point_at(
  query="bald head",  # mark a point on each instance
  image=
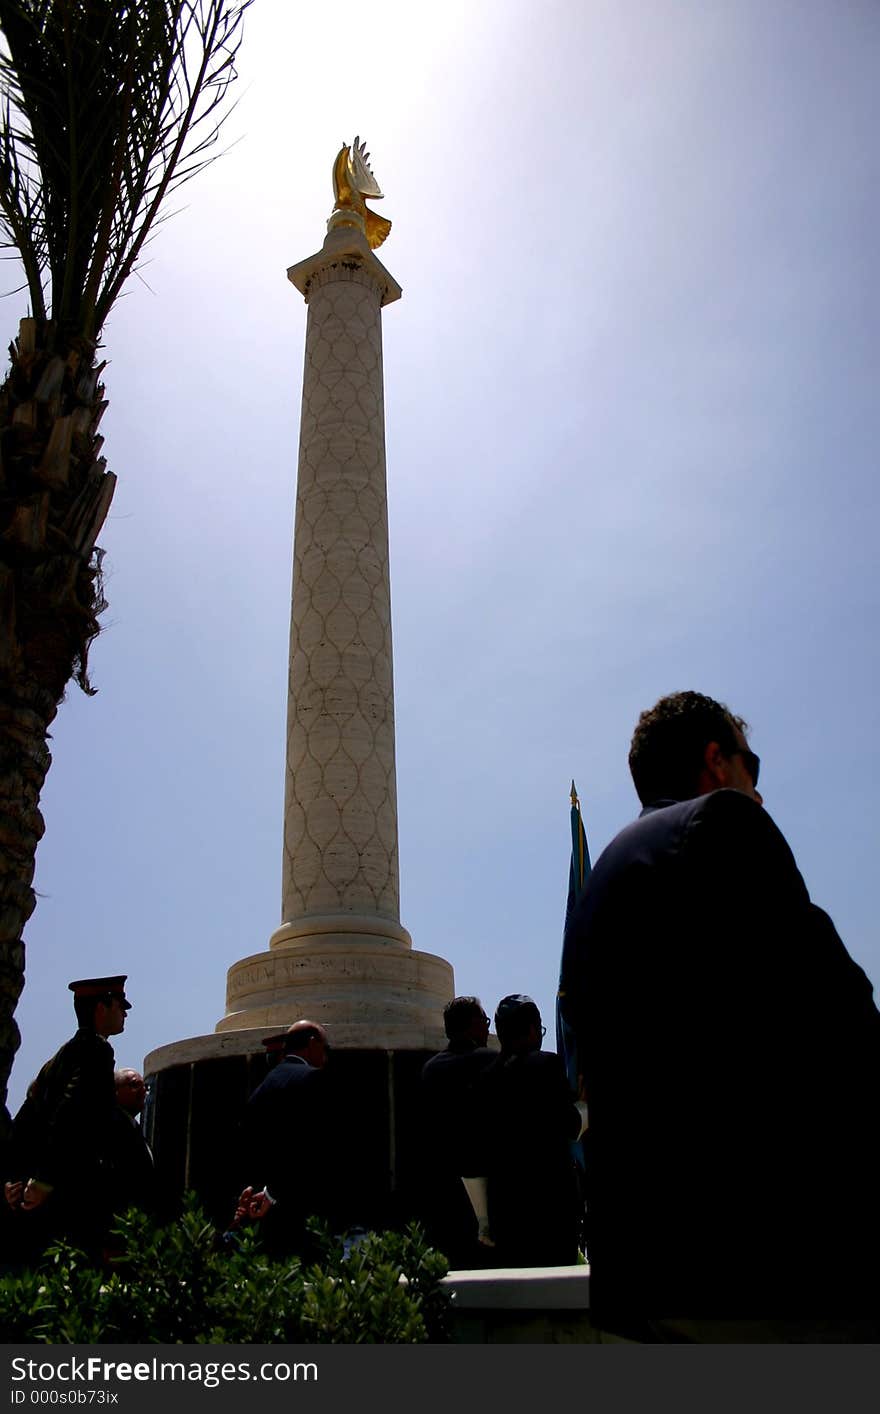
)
(309, 1040)
(131, 1092)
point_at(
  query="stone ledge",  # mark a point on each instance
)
(522, 1306)
(248, 1040)
(521, 1289)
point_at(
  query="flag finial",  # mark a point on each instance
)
(574, 795)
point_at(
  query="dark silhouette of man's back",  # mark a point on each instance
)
(291, 1141)
(731, 1055)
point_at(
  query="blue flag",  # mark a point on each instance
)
(578, 874)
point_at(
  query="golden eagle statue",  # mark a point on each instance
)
(352, 181)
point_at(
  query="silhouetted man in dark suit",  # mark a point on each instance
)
(291, 1138)
(133, 1169)
(527, 1122)
(731, 1059)
(446, 1095)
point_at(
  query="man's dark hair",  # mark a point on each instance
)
(513, 1017)
(458, 1015)
(669, 742)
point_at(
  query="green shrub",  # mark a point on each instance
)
(176, 1284)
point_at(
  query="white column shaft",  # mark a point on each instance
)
(340, 835)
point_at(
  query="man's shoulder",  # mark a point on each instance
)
(126, 1128)
(544, 1063)
(84, 1044)
(733, 822)
(672, 824)
(289, 1074)
(683, 852)
(435, 1067)
(89, 1053)
(728, 804)
(446, 1064)
(82, 1047)
(531, 1074)
(523, 1061)
(666, 814)
(69, 1049)
(659, 830)
(671, 839)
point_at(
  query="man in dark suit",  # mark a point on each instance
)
(446, 1095)
(133, 1168)
(527, 1122)
(731, 1059)
(291, 1142)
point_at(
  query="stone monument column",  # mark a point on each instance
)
(341, 955)
(340, 814)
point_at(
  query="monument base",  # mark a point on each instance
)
(358, 976)
(197, 1091)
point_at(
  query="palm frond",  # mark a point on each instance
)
(106, 107)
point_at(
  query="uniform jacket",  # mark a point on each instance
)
(62, 1133)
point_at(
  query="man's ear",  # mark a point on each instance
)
(713, 775)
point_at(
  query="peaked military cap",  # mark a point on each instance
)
(101, 987)
(274, 1043)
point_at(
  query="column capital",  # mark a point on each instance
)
(344, 250)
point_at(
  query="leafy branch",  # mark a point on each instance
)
(106, 107)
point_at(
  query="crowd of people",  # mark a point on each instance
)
(500, 1173)
(718, 1163)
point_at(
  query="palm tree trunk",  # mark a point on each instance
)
(24, 761)
(55, 492)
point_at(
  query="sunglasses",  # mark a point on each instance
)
(751, 762)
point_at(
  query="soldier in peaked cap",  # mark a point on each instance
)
(274, 1048)
(62, 1137)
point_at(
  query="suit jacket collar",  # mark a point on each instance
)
(656, 805)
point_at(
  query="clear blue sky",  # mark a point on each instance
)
(633, 430)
